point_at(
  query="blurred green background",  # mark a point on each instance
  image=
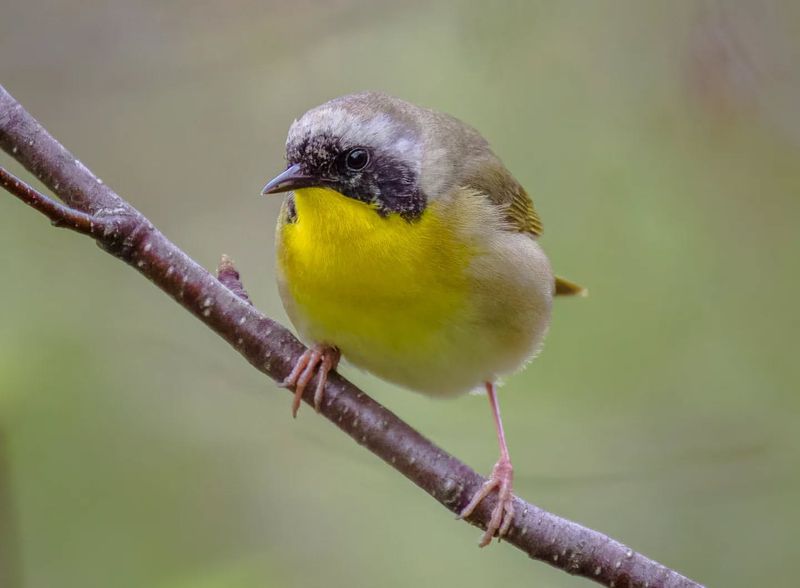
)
(661, 142)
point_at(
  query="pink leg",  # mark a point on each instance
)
(500, 480)
(319, 359)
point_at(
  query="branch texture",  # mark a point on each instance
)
(93, 209)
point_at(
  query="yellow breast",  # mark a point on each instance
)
(372, 285)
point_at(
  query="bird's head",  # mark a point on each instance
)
(377, 149)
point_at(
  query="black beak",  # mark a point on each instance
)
(291, 179)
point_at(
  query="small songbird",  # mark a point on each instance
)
(405, 245)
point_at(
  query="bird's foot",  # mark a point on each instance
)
(503, 513)
(320, 359)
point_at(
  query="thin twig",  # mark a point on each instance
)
(59, 215)
(273, 350)
(229, 276)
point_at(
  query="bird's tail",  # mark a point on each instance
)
(565, 287)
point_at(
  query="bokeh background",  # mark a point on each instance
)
(661, 142)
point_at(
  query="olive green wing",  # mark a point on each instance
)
(521, 213)
(494, 180)
(503, 190)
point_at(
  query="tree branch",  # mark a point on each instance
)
(93, 209)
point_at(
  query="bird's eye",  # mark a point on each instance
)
(356, 159)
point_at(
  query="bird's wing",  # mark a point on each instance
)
(521, 213)
(503, 190)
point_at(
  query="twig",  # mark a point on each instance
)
(59, 215)
(224, 307)
(229, 276)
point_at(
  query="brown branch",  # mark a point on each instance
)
(224, 307)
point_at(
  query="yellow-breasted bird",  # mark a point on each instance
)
(406, 245)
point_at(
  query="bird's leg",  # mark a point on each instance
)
(320, 359)
(500, 480)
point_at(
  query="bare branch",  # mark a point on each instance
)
(223, 306)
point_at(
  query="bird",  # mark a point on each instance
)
(405, 245)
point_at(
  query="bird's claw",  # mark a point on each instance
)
(503, 513)
(319, 359)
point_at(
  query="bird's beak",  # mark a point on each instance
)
(291, 179)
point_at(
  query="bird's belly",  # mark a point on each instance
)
(385, 333)
(410, 338)
(396, 298)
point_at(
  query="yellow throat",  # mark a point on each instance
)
(368, 283)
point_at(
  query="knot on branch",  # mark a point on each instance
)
(125, 235)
